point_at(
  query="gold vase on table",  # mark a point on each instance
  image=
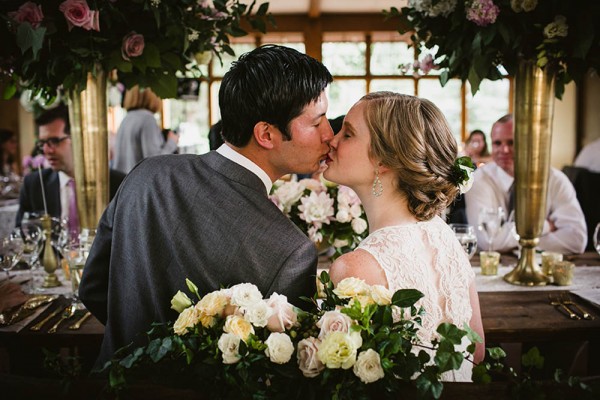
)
(89, 136)
(533, 110)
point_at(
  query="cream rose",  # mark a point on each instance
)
(245, 294)
(279, 348)
(308, 362)
(180, 301)
(381, 295)
(230, 348)
(187, 319)
(359, 225)
(238, 326)
(334, 321)
(284, 316)
(338, 349)
(368, 366)
(213, 303)
(351, 287)
(258, 314)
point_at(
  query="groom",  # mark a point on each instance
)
(208, 217)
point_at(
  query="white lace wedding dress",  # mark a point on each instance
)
(426, 256)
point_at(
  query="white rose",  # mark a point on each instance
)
(337, 243)
(258, 314)
(245, 294)
(187, 319)
(334, 321)
(284, 316)
(356, 210)
(279, 348)
(381, 295)
(238, 326)
(351, 287)
(558, 28)
(343, 215)
(180, 301)
(465, 186)
(230, 348)
(308, 362)
(368, 366)
(338, 349)
(359, 225)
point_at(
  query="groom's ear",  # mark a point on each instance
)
(264, 134)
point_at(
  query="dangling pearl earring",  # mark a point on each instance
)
(377, 188)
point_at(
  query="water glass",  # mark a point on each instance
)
(11, 250)
(466, 236)
(75, 258)
(490, 222)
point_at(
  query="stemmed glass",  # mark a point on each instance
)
(490, 222)
(466, 236)
(11, 249)
(597, 238)
(33, 238)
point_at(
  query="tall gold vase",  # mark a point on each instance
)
(89, 136)
(533, 110)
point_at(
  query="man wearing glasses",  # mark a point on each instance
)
(58, 181)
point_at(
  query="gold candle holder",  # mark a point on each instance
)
(548, 260)
(489, 261)
(562, 272)
(49, 260)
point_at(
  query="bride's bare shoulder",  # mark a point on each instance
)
(359, 264)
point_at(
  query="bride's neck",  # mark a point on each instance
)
(389, 209)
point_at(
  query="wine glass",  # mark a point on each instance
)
(597, 238)
(73, 253)
(466, 236)
(11, 249)
(490, 222)
(33, 238)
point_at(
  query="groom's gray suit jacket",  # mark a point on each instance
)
(186, 216)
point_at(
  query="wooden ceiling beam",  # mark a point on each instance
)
(335, 23)
(314, 9)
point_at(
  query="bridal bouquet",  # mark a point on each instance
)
(51, 43)
(326, 212)
(359, 342)
(473, 39)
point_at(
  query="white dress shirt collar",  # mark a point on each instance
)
(241, 160)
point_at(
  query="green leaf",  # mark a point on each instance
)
(152, 56)
(451, 332)
(10, 90)
(496, 353)
(29, 38)
(406, 297)
(533, 358)
(480, 374)
(474, 80)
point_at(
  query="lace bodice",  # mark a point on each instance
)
(426, 256)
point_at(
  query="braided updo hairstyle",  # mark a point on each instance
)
(411, 136)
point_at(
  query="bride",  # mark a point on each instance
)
(398, 154)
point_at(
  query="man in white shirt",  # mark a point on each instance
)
(589, 157)
(564, 228)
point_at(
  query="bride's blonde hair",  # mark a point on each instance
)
(411, 136)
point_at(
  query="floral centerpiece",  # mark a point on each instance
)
(326, 212)
(359, 342)
(55, 43)
(474, 38)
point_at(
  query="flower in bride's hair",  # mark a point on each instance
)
(245, 294)
(229, 345)
(279, 348)
(180, 301)
(308, 362)
(368, 366)
(187, 319)
(466, 184)
(238, 326)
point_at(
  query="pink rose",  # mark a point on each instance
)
(308, 362)
(133, 45)
(28, 12)
(78, 13)
(334, 321)
(284, 316)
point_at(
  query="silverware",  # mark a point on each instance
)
(558, 304)
(30, 305)
(39, 325)
(80, 321)
(566, 299)
(67, 313)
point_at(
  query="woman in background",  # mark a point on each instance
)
(139, 136)
(476, 148)
(398, 154)
(9, 153)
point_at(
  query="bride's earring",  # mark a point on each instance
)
(377, 188)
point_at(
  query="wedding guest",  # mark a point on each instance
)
(398, 154)
(9, 153)
(564, 228)
(476, 148)
(589, 157)
(208, 217)
(139, 136)
(59, 180)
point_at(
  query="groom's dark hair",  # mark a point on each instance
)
(271, 84)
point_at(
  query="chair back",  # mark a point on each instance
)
(586, 185)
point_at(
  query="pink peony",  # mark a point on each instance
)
(482, 12)
(133, 45)
(28, 12)
(78, 13)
